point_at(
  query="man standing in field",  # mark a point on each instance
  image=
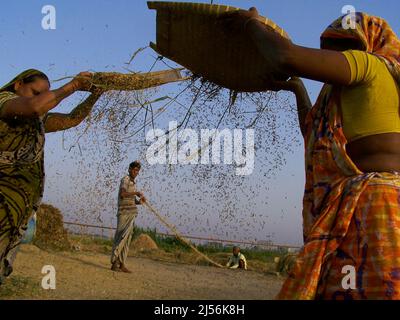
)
(237, 260)
(128, 199)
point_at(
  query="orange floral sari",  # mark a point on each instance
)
(351, 219)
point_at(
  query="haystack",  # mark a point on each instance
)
(50, 232)
(144, 243)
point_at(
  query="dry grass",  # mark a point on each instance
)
(16, 286)
(50, 232)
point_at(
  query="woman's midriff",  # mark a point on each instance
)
(376, 153)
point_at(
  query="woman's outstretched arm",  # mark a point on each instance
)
(303, 100)
(42, 103)
(60, 121)
(327, 66)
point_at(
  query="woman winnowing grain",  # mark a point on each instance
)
(351, 204)
(25, 103)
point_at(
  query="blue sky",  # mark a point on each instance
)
(101, 35)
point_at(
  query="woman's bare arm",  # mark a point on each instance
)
(39, 105)
(327, 66)
(303, 101)
(60, 121)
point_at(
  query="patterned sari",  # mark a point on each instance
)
(351, 219)
(21, 176)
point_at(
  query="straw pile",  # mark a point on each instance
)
(144, 243)
(188, 34)
(50, 232)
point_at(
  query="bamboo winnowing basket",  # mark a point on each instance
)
(188, 34)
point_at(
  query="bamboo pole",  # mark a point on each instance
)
(176, 232)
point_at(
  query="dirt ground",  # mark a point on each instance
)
(86, 275)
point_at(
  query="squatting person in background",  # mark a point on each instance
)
(25, 103)
(351, 204)
(237, 260)
(128, 198)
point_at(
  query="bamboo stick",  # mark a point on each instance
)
(176, 233)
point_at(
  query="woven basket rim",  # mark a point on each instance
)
(185, 6)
